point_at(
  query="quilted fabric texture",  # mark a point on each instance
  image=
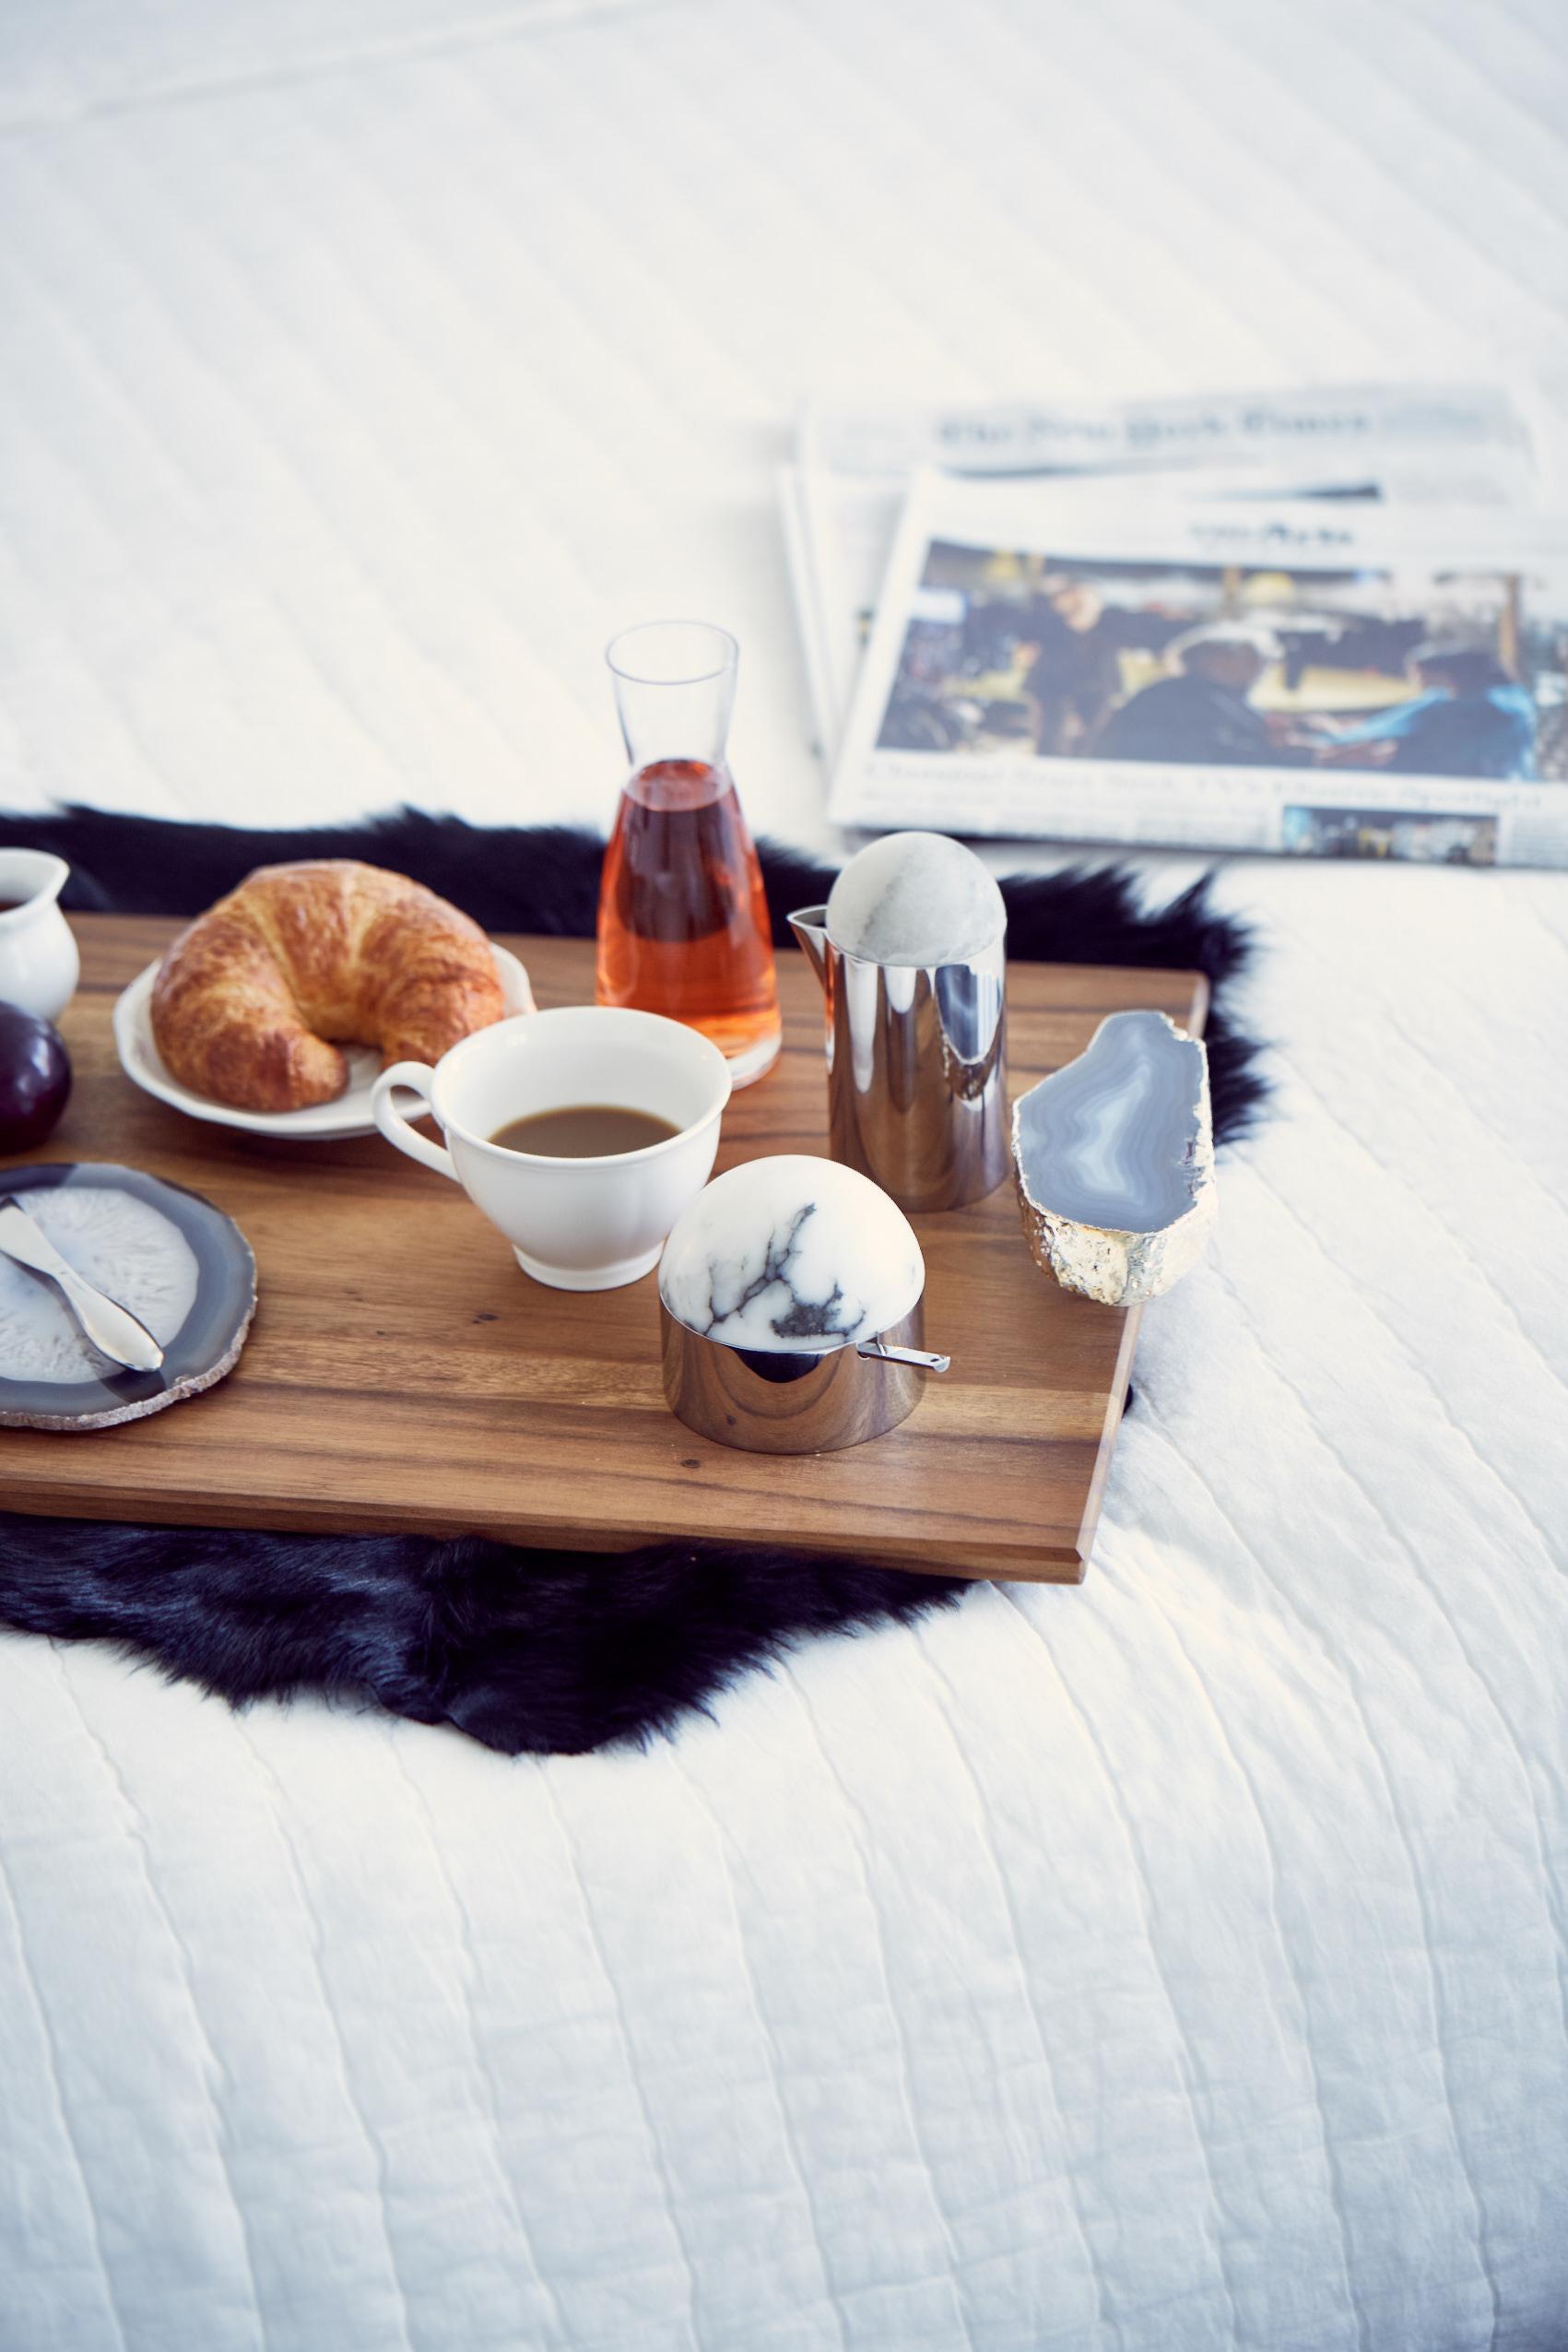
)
(1176, 1962)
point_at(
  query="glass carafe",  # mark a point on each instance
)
(683, 922)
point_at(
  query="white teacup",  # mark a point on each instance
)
(578, 1225)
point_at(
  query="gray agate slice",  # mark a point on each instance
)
(1115, 1160)
(181, 1266)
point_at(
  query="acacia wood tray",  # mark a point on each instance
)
(403, 1376)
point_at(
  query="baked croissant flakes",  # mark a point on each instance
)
(253, 1004)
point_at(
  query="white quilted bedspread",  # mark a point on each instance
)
(1174, 1963)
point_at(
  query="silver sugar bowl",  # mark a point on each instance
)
(791, 1309)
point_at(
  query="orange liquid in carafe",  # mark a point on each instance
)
(683, 922)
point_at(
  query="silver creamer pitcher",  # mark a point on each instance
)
(917, 1068)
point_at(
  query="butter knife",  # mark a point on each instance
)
(110, 1328)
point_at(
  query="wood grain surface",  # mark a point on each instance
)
(404, 1376)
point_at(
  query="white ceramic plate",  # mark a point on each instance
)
(349, 1113)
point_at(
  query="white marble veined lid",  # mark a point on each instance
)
(916, 899)
(791, 1255)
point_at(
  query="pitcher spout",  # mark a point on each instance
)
(811, 927)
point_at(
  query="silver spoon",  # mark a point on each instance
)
(884, 1353)
(111, 1328)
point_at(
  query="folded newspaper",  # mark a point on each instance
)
(1323, 677)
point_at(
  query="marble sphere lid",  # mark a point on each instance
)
(916, 899)
(791, 1255)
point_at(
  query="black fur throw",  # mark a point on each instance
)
(565, 1652)
(545, 1653)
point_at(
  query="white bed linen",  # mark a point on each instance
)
(1172, 1963)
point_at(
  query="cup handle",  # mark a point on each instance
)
(417, 1077)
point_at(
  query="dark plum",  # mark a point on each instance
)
(35, 1079)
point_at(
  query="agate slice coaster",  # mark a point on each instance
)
(180, 1265)
(1115, 1160)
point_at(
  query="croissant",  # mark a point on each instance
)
(252, 1003)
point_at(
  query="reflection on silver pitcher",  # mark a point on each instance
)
(917, 1068)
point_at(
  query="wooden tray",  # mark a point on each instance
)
(403, 1376)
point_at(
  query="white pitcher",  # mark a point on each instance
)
(39, 963)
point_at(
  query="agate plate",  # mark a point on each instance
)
(179, 1264)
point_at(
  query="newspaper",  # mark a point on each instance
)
(839, 500)
(1330, 679)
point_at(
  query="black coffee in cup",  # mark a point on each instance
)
(585, 1131)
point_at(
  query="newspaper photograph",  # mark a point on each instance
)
(1338, 682)
(841, 500)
